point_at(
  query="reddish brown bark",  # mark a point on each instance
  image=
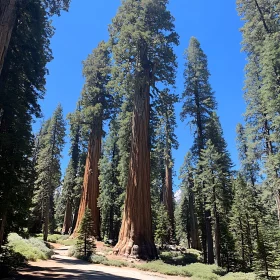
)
(7, 21)
(90, 190)
(67, 223)
(135, 237)
(168, 196)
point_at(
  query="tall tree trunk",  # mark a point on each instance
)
(195, 243)
(90, 190)
(2, 227)
(7, 22)
(67, 223)
(46, 215)
(135, 237)
(217, 238)
(209, 238)
(168, 197)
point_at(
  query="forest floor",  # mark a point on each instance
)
(63, 267)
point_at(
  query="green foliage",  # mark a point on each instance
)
(48, 169)
(111, 196)
(22, 85)
(10, 261)
(198, 96)
(32, 249)
(180, 258)
(97, 259)
(162, 225)
(85, 244)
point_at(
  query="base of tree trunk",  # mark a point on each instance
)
(144, 250)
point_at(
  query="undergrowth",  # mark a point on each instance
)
(32, 249)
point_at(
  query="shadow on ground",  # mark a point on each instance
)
(36, 272)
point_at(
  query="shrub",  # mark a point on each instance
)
(117, 263)
(239, 276)
(97, 259)
(10, 261)
(32, 250)
(178, 258)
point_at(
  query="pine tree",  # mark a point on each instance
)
(199, 103)
(260, 42)
(48, 169)
(67, 202)
(22, 83)
(142, 36)
(165, 140)
(111, 191)
(85, 244)
(96, 106)
(163, 227)
(188, 217)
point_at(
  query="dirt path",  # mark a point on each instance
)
(63, 267)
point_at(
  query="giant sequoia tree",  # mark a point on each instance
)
(96, 106)
(142, 35)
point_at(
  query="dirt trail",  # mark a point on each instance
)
(63, 267)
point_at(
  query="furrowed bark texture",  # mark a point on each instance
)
(135, 237)
(90, 190)
(7, 21)
(67, 223)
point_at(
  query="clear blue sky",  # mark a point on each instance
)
(214, 23)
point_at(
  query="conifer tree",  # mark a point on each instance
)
(22, 84)
(85, 244)
(48, 169)
(188, 218)
(142, 35)
(67, 202)
(199, 103)
(96, 106)
(260, 42)
(111, 191)
(166, 139)
(10, 16)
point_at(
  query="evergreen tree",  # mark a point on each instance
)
(142, 36)
(188, 212)
(10, 16)
(96, 107)
(22, 83)
(48, 170)
(260, 42)
(163, 226)
(85, 244)
(68, 201)
(111, 191)
(165, 139)
(199, 103)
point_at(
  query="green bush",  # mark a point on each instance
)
(32, 249)
(117, 263)
(178, 258)
(239, 276)
(97, 259)
(10, 261)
